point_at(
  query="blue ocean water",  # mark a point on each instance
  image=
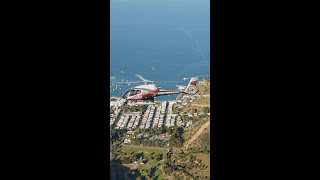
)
(160, 39)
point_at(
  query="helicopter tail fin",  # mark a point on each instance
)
(192, 86)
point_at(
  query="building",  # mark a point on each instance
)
(127, 141)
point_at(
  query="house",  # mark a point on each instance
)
(139, 136)
(130, 133)
(189, 123)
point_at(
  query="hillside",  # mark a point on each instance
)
(197, 136)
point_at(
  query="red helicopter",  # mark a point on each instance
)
(144, 94)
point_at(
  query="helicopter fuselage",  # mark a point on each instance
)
(142, 92)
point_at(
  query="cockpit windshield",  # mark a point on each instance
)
(131, 92)
(134, 92)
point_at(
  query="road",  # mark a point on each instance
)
(197, 134)
(201, 105)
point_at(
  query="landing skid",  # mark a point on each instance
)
(133, 103)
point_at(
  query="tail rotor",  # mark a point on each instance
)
(192, 88)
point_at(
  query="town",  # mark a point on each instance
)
(165, 139)
(158, 115)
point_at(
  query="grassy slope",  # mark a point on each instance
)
(204, 100)
(152, 162)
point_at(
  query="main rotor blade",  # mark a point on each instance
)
(167, 81)
(143, 79)
(127, 82)
(146, 80)
(196, 76)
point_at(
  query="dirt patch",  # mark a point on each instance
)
(197, 134)
(132, 166)
(205, 158)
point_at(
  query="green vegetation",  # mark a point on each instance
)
(206, 109)
(161, 163)
(135, 150)
(176, 139)
(152, 158)
(184, 165)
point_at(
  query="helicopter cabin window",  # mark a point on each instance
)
(133, 92)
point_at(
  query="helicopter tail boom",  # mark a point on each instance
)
(192, 86)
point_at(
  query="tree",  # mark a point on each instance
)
(139, 155)
(159, 157)
(176, 138)
(163, 130)
(169, 130)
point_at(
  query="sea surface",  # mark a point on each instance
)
(163, 40)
